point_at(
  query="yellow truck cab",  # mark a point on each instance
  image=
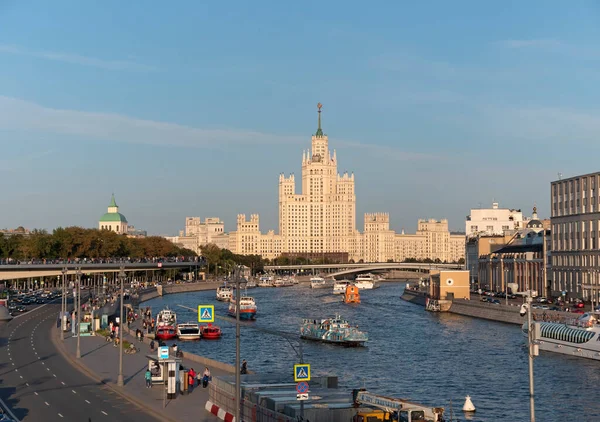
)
(376, 415)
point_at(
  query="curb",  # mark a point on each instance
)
(218, 412)
(83, 369)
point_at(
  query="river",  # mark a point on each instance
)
(432, 358)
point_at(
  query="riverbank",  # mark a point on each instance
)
(508, 314)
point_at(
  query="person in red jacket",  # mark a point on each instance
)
(191, 379)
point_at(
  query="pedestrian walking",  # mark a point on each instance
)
(244, 368)
(148, 377)
(206, 377)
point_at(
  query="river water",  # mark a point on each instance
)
(431, 358)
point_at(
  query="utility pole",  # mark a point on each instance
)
(545, 266)
(238, 382)
(120, 382)
(77, 315)
(531, 346)
(63, 303)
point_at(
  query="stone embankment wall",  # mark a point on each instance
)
(414, 296)
(177, 288)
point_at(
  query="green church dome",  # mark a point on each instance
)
(112, 217)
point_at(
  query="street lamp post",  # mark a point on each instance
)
(63, 303)
(238, 386)
(506, 285)
(120, 382)
(77, 315)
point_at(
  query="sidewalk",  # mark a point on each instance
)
(100, 360)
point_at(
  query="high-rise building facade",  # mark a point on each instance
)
(199, 233)
(321, 219)
(575, 221)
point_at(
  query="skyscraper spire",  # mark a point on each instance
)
(319, 130)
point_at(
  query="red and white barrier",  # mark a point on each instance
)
(218, 412)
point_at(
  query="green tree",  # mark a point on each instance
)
(212, 254)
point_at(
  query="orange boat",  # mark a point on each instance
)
(210, 332)
(352, 295)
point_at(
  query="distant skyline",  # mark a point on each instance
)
(195, 109)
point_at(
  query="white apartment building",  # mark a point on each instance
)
(575, 230)
(432, 240)
(493, 221)
(198, 234)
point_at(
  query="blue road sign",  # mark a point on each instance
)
(206, 313)
(163, 352)
(302, 372)
(302, 387)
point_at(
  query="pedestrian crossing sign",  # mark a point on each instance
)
(302, 372)
(206, 313)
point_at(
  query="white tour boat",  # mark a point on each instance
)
(578, 337)
(365, 281)
(188, 331)
(282, 282)
(166, 318)
(339, 287)
(265, 281)
(317, 283)
(250, 284)
(224, 293)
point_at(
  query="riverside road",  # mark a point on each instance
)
(38, 384)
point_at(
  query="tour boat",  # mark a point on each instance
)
(365, 281)
(250, 284)
(352, 294)
(210, 332)
(166, 317)
(339, 287)
(265, 281)
(188, 331)
(317, 283)
(247, 308)
(165, 332)
(577, 337)
(283, 282)
(333, 330)
(224, 293)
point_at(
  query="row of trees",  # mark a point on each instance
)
(77, 242)
(223, 260)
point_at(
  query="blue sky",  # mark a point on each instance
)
(193, 109)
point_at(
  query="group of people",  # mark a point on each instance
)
(192, 376)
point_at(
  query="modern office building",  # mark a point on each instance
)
(575, 221)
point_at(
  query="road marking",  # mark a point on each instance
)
(48, 369)
(104, 412)
(47, 404)
(44, 363)
(74, 392)
(63, 383)
(88, 402)
(60, 415)
(27, 384)
(54, 375)
(21, 376)
(35, 392)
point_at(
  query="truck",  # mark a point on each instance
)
(391, 409)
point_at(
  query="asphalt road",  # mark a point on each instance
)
(38, 384)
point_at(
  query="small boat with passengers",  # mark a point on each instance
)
(210, 332)
(188, 331)
(339, 287)
(166, 317)
(576, 337)
(250, 284)
(247, 308)
(283, 282)
(224, 293)
(332, 330)
(265, 281)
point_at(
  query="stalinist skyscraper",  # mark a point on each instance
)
(322, 218)
(320, 221)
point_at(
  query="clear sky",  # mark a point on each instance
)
(193, 108)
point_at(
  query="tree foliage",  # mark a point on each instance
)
(77, 242)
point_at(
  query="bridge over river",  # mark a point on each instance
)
(335, 270)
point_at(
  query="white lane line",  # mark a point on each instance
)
(21, 376)
(54, 375)
(63, 383)
(27, 384)
(104, 412)
(87, 401)
(44, 363)
(60, 415)
(47, 404)
(74, 392)
(35, 392)
(48, 369)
